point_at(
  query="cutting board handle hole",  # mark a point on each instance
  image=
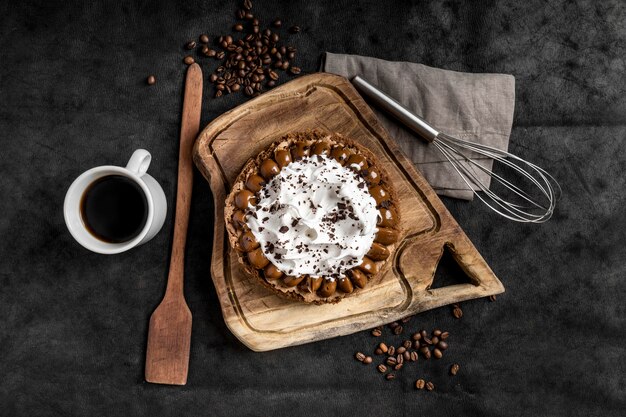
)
(450, 270)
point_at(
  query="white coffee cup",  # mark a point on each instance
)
(134, 170)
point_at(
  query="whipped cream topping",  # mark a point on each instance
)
(315, 217)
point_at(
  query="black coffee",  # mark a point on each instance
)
(114, 209)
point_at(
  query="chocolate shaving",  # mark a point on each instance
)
(283, 229)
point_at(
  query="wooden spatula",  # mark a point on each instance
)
(169, 334)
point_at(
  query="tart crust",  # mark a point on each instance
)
(295, 288)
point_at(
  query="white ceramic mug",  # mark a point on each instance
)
(134, 170)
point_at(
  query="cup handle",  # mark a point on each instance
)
(139, 162)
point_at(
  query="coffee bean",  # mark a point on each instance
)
(442, 345)
(420, 383)
(295, 70)
(188, 60)
(492, 298)
(424, 334)
(359, 356)
(437, 353)
(220, 86)
(190, 45)
(407, 344)
(391, 361)
(256, 22)
(457, 312)
(401, 350)
(213, 77)
(294, 29)
(235, 87)
(277, 23)
(238, 27)
(414, 356)
(220, 55)
(393, 325)
(427, 341)
(270, 83)
(151, 80)
(204, 38)
(249, 90)
(407, 356)
(240, 14)
(383, 347)
(430, 386)
(248, 16)
(247, 4)
(389, 376)
(398, 367)
(378, 351)
(391, 351)
(434, 340)
(416, 344)
(381, 368)
(399, 358)
(416, 336)
(444, 335)
(367, 360)
(454, 369)
(218, 93)
(274, 37)
(376, 333)
(285, 66)
(398, 330)
(437, 332)
(425, 352)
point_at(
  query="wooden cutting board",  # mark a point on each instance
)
(264, 321)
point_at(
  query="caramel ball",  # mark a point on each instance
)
(244, 199)
(368, 266)
(321, 148)
(388, 218)
(269, 168)
(358, 160)
(257, 259)
(378, 252)
(239, 219)
(255, 183)
(345, 285)
(283, 157)
(271, 272)
(301, 150)
(386, 236)
(340, 154)
(248, 242)
(379, 194)
(311, 284)
(292, 281)
(327, 288)
(358, 278)
(372, 177)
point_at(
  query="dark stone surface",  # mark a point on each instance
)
(73, 324)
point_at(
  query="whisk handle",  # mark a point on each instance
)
(395, 109)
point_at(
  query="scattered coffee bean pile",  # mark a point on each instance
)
(250, 63)
(421, 344)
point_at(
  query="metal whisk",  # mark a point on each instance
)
(525, 209)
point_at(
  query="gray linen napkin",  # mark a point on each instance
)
(474, 107)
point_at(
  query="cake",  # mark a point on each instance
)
(313, 217)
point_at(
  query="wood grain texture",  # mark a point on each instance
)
(264, 321)
(169, 333)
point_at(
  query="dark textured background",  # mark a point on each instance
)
(73, 324)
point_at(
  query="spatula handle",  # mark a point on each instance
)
(190, 126)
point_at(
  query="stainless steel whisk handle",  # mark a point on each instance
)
(395, 109)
